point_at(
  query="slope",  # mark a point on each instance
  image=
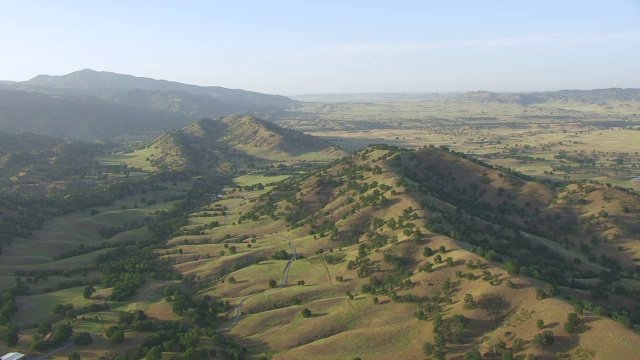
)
(436, 254)
(231, 142)
(80, 118)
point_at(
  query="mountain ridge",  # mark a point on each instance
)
(88, 79)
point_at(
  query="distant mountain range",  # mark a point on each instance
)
(92, 105)
(597, 95)
(374, 97)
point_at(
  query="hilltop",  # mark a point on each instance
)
(230, 142)
(420, 240)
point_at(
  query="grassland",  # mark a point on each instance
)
(222, 254)
(533, 139)
(347, 327)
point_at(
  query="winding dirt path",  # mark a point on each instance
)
(326, 268)
(283, 282)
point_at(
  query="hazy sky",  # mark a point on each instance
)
(294, 47)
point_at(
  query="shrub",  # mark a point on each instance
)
(83, 338)
(306, 313)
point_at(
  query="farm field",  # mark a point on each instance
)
(553, 140)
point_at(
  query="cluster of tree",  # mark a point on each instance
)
(281, 255)
(60, 334)
(109, 232)
(174, 337)
(8, 306)
(202, 311)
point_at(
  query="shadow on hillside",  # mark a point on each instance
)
(551, 325)
(254, 346)
(318, 315)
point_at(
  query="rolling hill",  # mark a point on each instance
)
(437, 254)
(385, 253)
(230, 141)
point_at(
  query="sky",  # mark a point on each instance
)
(305, 47)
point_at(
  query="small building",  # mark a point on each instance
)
(48, 337)
(12, 356)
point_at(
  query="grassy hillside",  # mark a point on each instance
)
(386, 253)
(418, 241)
(232, 142)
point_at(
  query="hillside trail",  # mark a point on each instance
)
(283, 282)
(326, 268)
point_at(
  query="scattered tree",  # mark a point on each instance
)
(88, 292)
(10, 337)
(306, 313)
(469, 303)
(571, 326)
(83, 338)
(117, 337)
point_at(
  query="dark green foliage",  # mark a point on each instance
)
(196, 353)
(512, 267)
(306, 313)
(60, 309)
(540, 324)
(61, 334)
(88, 292)
(469, 303)
(507, 355)
(83, 338)
(494, 305)
(117, 337)
(74, 356)
(155, 353)
(39, 346)
(111, 330)
(543, 339)
(427, 251)
(8, 306)
(473, 355)
(272, 283)
(572, 324)
(10, 336)
(44, 328)
(281, 255)
(428, 348)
